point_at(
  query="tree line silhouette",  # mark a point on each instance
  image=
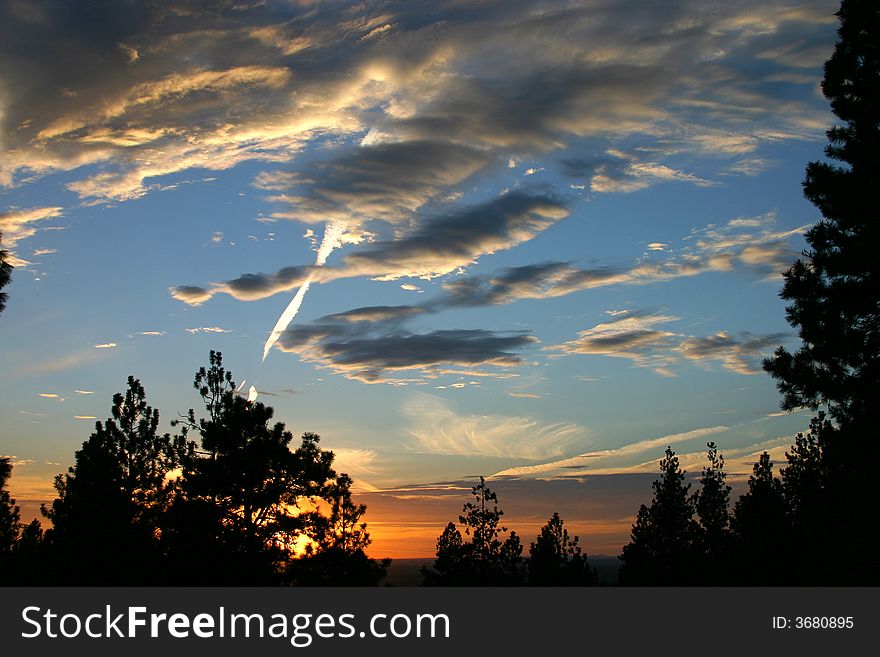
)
(237, 507)
(140, 507)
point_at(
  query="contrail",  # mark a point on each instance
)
(332, 233)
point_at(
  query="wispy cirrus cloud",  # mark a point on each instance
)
(435, 428)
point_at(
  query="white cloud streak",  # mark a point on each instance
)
(599, 462)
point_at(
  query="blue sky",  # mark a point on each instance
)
(554, 232)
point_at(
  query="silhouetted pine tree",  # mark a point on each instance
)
(5, 275)
(246, 498)
(555, 559)
(337, 554)
(484, 559)
(761, 534)
(711, 502)
(9, 522)
(834, 295)
(812, 501)
(448, 568)
(661, 549)
(105, 519)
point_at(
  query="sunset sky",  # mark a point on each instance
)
(534, 240)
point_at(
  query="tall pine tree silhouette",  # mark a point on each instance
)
(105, 518)
(5, 275)
(246, 498)
(834, 295)
(761, 533)
(556, 559)
(483, 560)
(661, 549)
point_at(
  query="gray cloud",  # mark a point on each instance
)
(630, 335)
(448, 242)
(376, 314)
(633, 335)
(748, 244)
(369, 355)
(438, 245)
(531, 112)
(384, 181)
(247, 287)
(401, 105)
(148, 89)
(740, 353)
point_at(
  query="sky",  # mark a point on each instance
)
(534, 241)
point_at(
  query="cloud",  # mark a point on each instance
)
(84, 417)
(630, 336)
(444, 244)
(375, 314)
(370, 353)
(247, 287)
(60, 363)
(151, 333)
(480, 74)
(208, 329)
(738, 354)
(386, 181)
(385, 113)
(616, 171)
(437, 246)
(436, 428)
(750, 244)
(190, 294)
(51, 395)
(275, 180)
(609, 460)
(360, 464)
(19, 224)
(633, 336)
(146, 92)
(106, 345)
(84, 392)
